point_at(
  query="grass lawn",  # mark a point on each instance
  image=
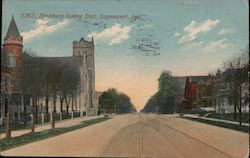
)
(229, 117)
(32, 137)
(244, 129)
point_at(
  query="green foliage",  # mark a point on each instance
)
(112, 101)
(164, 99)
(244, 129)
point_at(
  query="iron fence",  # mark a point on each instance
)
(23, 120)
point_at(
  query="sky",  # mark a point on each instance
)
(135, 40)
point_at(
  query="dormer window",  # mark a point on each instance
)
(11, 60)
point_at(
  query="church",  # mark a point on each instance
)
(11, 55)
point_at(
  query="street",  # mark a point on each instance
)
(142, 135)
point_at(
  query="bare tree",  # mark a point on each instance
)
(57, 72)
(236, 74)
(32, 81)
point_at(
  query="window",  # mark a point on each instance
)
(11, 60)
(13, 81)
(3, 87)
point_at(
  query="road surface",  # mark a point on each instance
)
(142, 135)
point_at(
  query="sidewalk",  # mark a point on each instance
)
(58, 124)
(213, 119)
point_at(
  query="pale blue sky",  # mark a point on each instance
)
(188, 37)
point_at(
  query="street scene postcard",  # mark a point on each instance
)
(125, 78)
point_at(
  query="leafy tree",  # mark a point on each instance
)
(167, 89)
(151, 105)
(112, 101)
(163, 101)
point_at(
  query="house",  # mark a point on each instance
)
(204, 92)
(196, 92)
(222, 94)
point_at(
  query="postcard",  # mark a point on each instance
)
(125, 78)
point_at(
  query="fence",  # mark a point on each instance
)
(23, 121)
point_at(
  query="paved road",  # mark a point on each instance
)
(142, 135)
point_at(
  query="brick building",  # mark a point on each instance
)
(189, 94)
(197, 92)
(11, 63)
(11, 55)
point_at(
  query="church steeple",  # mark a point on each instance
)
(12, 31)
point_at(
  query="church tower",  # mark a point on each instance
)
(85, 49)
(13, 47)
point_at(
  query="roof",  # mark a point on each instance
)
(12, 31)
(182, 80)
(71, 60)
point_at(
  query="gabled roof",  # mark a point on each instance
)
(72, 61)
(12, 31)
(182, 80)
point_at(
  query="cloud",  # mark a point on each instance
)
(191, 31)
(211, 47)
(177, 34)
(115, 33)
(43, 27)
(225, 31)
(146, 26)
(215, 45)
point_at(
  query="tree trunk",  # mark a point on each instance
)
(240, 115)
(72, 105)
(235, 116)
(67, 105)
(61, 103)
(25, 111)
(75, 103)
(235, 103)
(41, 107)
(240, 108)
(54, 113)
(47, 104)
(36, 109)
(8, 119)
(33, 115)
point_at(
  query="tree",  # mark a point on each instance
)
(69, 84)
(112, 101)
(167, 89)
(236, 75)
(164, 99)
(56, 70)
(151, 105)
(32, 80)
(107, 100)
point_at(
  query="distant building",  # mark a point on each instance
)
(196, 92)
(204, 92)
(189, 94)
